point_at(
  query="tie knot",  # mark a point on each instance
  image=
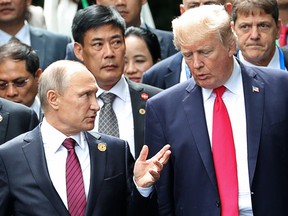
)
(219, 91)
(69, 143)
(107, 97)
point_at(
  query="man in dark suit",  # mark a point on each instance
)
(174, 70)
(183, 116)
(98, 32)
(37, 186)
(15, 119)
(49, 46)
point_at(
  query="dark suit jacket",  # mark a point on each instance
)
(49, 46)
(165, 73)
(15, 119)
(26, 188)
(188, 185)
(138, 103)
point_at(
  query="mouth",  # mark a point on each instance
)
(202, 76)
(123, 13)
(109, 66)
(135, 79)
(6, 10)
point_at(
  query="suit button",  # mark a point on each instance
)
(217, 204)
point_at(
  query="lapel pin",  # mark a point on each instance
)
(255, 89)
(1, 118)
(102, 147)
(144, 96)
(142, 111)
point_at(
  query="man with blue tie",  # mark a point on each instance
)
(240, 169)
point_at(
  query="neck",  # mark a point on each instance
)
(11, 29)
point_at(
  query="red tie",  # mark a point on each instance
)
(74, 181)
(224, 157)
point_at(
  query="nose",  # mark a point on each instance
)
(11, 91)
(130, 68)
(254, 33)
(197, 62)
(94, 104)
(109, 52)
(120, 2)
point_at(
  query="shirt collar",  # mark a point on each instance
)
(120, 89)
(233, 84)
(23, 35)
(274, 62)
(55, 138)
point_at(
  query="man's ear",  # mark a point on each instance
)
(52, 99)
(78, 51)
(182, 8)
(228, 7)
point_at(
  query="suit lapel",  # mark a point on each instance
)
(98, 166)
(254, 105)
(197, 122)
(35, 156)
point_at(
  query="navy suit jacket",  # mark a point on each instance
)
(26, 188)
(15, 119)
(188, 185)
(165, 73)
(49, 46)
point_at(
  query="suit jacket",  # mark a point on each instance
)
(26, 188)
(188, 185)
(15, 119)
(49, 46)
(165, 73)
(138, 103)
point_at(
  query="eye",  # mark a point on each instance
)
(3, 85)
(20, 82)
(117, 43)
(264, 26)
(188, 55)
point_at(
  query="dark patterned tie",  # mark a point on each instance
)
(224, 157)
(74, 181)
(108, 123)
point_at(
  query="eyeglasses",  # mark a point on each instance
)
(18, 83)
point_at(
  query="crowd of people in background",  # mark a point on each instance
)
(136, 109)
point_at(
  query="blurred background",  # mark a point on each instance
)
(163, 11)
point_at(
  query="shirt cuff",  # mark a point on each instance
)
(145, 192)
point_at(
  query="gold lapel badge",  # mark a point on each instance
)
(102, 147)
(142, 111)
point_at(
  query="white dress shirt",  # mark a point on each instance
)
(233, 98)
(23, 35)
(56, 155)
(123, 110)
